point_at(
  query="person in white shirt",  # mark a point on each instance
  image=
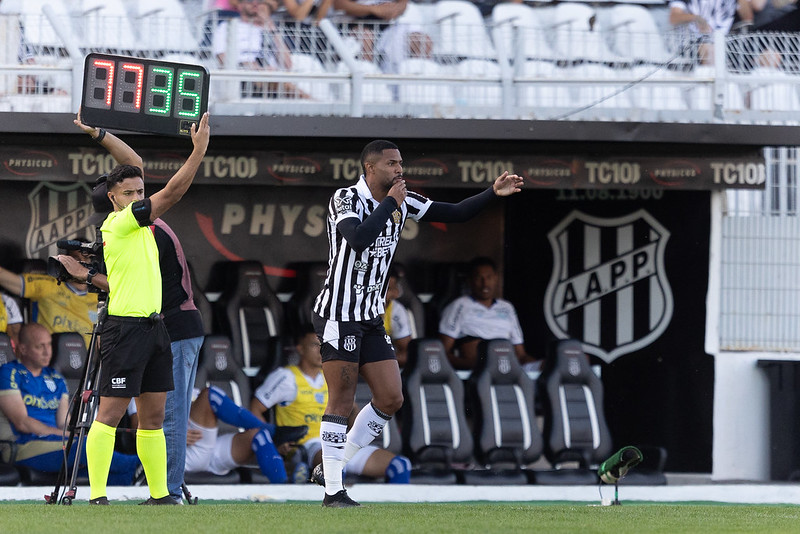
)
(469, 319)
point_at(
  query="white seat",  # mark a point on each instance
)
(306, 63)
(461, 31)
(104, 25)
(519, 32)
(593, 92)
(635, 34)
(423, 92)
(37, 31)
(478, 95)
(165, 27)
(371, 92)
(577, 36)
(651, 94)
(541, 95)
(769, 94)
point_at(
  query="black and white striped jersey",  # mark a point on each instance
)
(355, 286)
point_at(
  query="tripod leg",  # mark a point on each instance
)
(188, 495)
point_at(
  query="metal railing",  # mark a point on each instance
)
(422, 68)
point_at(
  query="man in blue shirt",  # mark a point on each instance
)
(34, 399)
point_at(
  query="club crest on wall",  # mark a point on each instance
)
(608, 287)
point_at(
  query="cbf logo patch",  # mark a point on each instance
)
(608, 287)
(57, 211)
(349, 343)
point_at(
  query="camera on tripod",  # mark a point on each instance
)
(94, 251)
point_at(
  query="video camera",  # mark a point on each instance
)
(94, 250)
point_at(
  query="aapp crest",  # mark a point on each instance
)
(608, 287)
(57, 211)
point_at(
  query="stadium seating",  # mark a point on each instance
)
(507, 437)
(435, 431)
(575, 428)
(310, 278)
(634, 34)
(69, 358)
(6, 350)
(519, 34)
(577, 35)
(461, 31)
(249, 313)
(413, 305)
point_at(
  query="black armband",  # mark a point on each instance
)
(100, 135)
(141, 211)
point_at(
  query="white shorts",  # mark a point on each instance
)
(211, 452)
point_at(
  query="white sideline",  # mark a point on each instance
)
(786, 493)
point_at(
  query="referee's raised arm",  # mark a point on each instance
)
(163, 200)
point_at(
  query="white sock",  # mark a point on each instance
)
(367, 426)
(333, 434)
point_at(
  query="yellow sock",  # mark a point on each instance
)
(152, 449)
(99, 450)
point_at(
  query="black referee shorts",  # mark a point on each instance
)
(353, 341)
(136, 357)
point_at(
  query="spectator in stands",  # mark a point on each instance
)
(208, 451)
(371, 17)
(702, 18)
(34, 398)
(299, 395)
(10, 318)
(59, 307)
(258, 46)
(305, 37)
(395, 319)
(480, 316)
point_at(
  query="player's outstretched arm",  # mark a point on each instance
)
(119, 149)
(163, 200)
(506, 184)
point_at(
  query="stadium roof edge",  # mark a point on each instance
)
(467, 129)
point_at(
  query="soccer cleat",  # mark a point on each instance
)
(167, 499)
(318, 475)
(100, 500)
(289, 434)
(339, 499)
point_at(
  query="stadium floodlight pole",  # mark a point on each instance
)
(617, 466)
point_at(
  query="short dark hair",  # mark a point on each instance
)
(376, 148)
(121, 172)
(481, 261)
(304, 330)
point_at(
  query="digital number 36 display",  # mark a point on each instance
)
(143, 95)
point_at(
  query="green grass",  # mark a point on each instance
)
(309, 518)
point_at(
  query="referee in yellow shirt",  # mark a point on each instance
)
(135, 346)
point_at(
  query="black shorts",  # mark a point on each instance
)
(353, 341)
(136, 357)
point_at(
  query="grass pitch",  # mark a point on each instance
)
(302, 517)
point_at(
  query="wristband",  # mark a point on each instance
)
(92, 272)
(100, 136)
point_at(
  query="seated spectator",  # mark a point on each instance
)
(257, 47)
(10, 318)
(206, 450)
(299, 395)
(480, 316)
(59, 307)
(370, 17)
(33, 396)
(702, 18)
(395, 319)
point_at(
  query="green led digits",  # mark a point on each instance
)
(159, 101)
(189, 83)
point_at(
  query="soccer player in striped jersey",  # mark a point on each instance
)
(364, 225)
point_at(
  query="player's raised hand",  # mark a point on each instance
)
(398, 191)
(200, 133)
(507, 184)
(91, 130)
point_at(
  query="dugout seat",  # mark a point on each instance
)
(575, 428)
(69, 358)
(310, 279)
(507, 437)
(390, 439)
(217, 367)
(251, 316)
(202, 303)
(435, 431)
(6, 350)
(413, 305)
